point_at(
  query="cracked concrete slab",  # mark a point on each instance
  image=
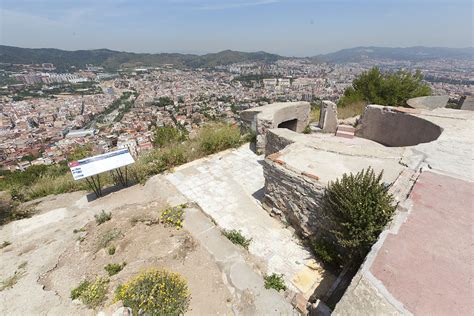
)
(227, 187)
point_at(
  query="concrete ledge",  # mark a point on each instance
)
(429, 102)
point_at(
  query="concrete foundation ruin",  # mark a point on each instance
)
(431, 143)
(290, 115)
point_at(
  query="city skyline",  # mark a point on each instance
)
(297, 28)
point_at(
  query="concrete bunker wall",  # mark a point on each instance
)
(290, 115)
(290, 124)
(296, 197)
(393, 127)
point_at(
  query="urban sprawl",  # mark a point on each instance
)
(45, 115)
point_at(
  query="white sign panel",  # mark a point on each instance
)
(94, 165)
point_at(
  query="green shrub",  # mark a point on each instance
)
(77, 291)
(103, 217)
(392, 89)
(114, 268)
(80, 230)
(237, 238)
(91, 294)
(108, 236)
(326, 252)
(250, 136)
(359, 207)
(173, 216)
(111, 250)
(216, 138)
(174, 156)
(168, 135)
(155, 292)
(275, 281)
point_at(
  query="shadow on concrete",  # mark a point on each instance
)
(253, 146)
(106, 191)
(259, 194)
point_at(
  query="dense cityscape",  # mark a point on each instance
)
(45, 114)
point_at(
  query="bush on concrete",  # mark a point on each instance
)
(155, 292)
(237, 238)
(91, 293)
(359, 206)
(275, 281)
(102, 217)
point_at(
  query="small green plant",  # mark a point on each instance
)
(103, 217)
(108, 236)
(77, 291)
(111, 250)
(326, 252)
(11, 281)
(275, 281)
(237, 238)
(219, 137)
(307, 130)
(155, 292)
(92, 294)
(114, 268)
(173, 216)
(4, 244)
(250, 136)
(80, 230)
(147, 220)
(359, 207)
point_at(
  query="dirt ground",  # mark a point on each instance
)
(143, 243)
(49, 256)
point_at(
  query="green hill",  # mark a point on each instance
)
(114, 59)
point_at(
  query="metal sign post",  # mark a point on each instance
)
(90, 168)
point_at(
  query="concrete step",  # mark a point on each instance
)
(345, 131)
(346, 128)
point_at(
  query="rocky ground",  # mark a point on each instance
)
(54, 250)
(51, 252)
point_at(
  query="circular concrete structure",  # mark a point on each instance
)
(395, 127)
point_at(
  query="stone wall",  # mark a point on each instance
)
(278, 139)
(297, 197)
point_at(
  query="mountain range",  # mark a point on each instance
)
(111, 59)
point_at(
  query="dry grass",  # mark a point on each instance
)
(314, 115)
(47, 185)
(351, 110)
(11, 281)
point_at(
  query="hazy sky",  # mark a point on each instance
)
(287, 27)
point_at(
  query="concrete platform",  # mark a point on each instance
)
(427, 264)
(228, 187)
(422, 263)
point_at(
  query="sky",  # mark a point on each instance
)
(285, 27)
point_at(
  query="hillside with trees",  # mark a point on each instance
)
(110, 59)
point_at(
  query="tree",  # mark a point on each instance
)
(165, 135)
(81, 152)
(392, 89)
(164, 101)
(359, 207)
